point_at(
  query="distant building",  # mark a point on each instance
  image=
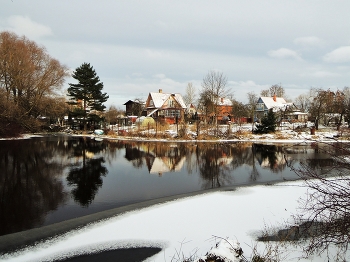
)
(134, 108)
(284, 110)
(224, 109)
(168, 107)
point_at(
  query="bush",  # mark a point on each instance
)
(9, 128)
(268, 124)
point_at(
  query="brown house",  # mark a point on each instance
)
(224, 109)
(134, 108)
(168, 107)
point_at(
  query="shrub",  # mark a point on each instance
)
(268, 124)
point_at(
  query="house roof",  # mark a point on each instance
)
(160, 98)
(164, 164)
(132, 102)
(224, 102)
(270, 102)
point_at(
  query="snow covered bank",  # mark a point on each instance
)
(184, 226)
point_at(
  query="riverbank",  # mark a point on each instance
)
(143, 244)
(181, 227)
(243, 134)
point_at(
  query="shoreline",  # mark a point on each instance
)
(268, 138)
(102, 243)
(17, 241)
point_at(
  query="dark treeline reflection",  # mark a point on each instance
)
(85, 175)
(29, 183)
(31, 178)
(41, 176)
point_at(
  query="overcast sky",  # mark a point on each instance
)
(137, 47)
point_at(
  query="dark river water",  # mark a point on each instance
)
(50, 179)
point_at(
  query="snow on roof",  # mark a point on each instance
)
(298, 113)
(153, 111)
(160, 98)
(224, 102)
(271, 103)
(164, 164)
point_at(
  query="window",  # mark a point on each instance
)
(172, 113)
(170, 103)
(260, 106)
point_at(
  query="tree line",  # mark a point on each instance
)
(31, 92)
(30, 80)
(31, 84)
(323, 106)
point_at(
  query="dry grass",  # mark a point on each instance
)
(111, 133)
(281, 136)
(243, 134)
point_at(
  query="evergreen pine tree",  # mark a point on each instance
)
(268, 124)
(88, 90)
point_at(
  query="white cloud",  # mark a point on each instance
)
(324, 74)
(23, 25)
(308, 41)
(246, 86)
(159, 76)
(284, 53)
(320, 73)
(339, 55)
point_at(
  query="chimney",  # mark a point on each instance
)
(274, 98)
(160, 91)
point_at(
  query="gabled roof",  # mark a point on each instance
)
(274, 102)
(165, 164)
(160, 98)
(132, 102)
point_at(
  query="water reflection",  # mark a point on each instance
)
(215, 165)
(29, 184)
(270, 156)
(47, 180)
(158, 157)
(85, 174)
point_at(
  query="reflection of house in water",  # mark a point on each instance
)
(224, 160)
(162, 165)
(269, 156)
(279, 161)
(158, 158)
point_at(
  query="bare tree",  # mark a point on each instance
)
(323, 217)
(322, 103)
(346, 92)
(326, 207)
(277, 90)
(252, 100)
(27, 75)
(112, 114)
(190, 96)
(265, 93)
(302, 102)
(239, 110)
(214, 88)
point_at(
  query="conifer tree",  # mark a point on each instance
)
(268, 124)
(88, 90)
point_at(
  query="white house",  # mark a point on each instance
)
(284, 109)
